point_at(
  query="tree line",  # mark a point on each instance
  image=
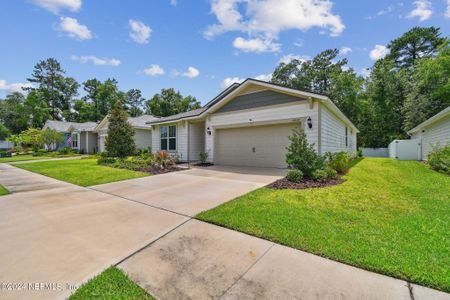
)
(54, 96)
(406, 87)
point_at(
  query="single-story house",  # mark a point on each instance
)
(67, 128)
(432, 131)
(249, 124)
(142, 135)
(84, 138)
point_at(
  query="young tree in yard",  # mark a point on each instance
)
(301, 155)
(50, 137)
(170, 102)
(32, 137)
(120, 140)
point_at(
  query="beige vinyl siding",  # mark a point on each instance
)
(143, 138)
(333, 133)
(438, 132)
(263, 115)
(254, 146)
(196, 140)
(182, 139)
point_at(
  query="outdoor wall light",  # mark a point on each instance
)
(208, 130)
(309, 122)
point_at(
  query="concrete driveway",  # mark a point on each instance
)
(195, 190)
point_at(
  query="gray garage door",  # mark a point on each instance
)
(256, 146)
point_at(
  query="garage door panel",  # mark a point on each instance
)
(259, 146)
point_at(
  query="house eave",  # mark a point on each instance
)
(444, 113)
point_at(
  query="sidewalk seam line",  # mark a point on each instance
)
(246, 271)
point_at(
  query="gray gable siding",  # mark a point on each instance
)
(258, 99)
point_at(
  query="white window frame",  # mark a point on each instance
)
(75, 138)
(168, 137)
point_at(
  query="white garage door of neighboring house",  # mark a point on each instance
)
(259, 146)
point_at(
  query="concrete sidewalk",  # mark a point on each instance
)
(45, 159)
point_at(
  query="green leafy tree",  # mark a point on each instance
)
(32, 137)
(416, 43)
(120, 140)
(170, 102)
(50, 137)
(301, 155)
(13, 114)
(134, 102)
(4, 132)
(429, 92)
(36, 110)
(101, 96)
(54, 88)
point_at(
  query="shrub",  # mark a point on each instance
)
(163, 159)
(39, 152)
(104, 160)
(301, 155)
(294, 175)
(439, 159)
(331, 173)
(66, 151)
(320, 175)
(203, 157)
(359, 152)
(338, 161)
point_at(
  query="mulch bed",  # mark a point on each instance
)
(283, 183)
(204, 164)
(156, 171)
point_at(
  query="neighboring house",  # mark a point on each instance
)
(435, 130)
(249, 124)
(84, 138)
(142, 135)
(63, 127)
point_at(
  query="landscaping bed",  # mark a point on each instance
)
(389, 216)
(284, 183)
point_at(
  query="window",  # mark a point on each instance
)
(346, 137)
(75, 140)
(169, 138)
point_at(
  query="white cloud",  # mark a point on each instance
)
(364, 72)
(256, 45)
(13, 87)
(55, 6)
(345, 50)
(383, 12)
(96, 60)
(422, 10)
(447, 12)
(190, 73)
(379, 51)
(140, 33)
(290, 57)
(173, 2)
(154, 70)
(230, 80)
(264, 77)
(299, 43)
(270, 17)
(73, 29)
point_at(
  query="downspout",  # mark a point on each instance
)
(188, 144)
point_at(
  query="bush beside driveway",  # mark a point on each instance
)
(391, 217)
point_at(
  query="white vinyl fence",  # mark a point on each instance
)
(6, 145)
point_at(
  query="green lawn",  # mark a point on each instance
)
(391, 217)
(21, 158)
(111, 284)
(3, 190)
(84, 172)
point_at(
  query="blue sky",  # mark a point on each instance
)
(197, 47)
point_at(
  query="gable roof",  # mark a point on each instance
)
(137, 122)
(439, 116)
(234, 89)
(63, 126)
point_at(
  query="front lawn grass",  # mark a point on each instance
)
(84, 172)
(3, 190)
(392, 217)
(21, 158)
(111, 284)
